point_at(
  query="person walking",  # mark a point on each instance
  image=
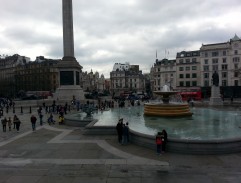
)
(14, 121)
(164, 140)
(18, 122)
(33, 120)
(4, 124)
(9, 123)
(158, 143)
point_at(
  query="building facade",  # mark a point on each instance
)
(224, 58)
(188, 71)
(126, 78)
(164, 73)
(40, 75)
(8, 66)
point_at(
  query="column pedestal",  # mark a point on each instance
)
(215, 98)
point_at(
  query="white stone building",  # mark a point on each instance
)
(223, 58)
(126, 78)
(188, 70)
(164, 73)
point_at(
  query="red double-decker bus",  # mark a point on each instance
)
(191, 94)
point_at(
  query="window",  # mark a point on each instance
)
(181, 83)
(194, 59)
(224, 74)
(215, 61)
(206, 75)
(206, 68)
(206, 61)
(187, 75)
(180, 75)
(206, 54)
(194, 75)
(236, 74)
(235, 59)
(235, 66)
(187, 68)
(206, 83)
(187, 60)
(224, 60)
(224, 82)
(158, 69)
(235, 82)
(194, 83)
(235, 52)
(224, 53)
(224, 67)
(214, 53)
(215, 67)
(181, 61)
(194, 68)
(180, 68)
(188, 83)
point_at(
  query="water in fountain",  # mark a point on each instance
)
(176, 98)
(205, 124)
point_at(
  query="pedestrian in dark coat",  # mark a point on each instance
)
(164, 140)
(18, 122)
(4, 124)
(119, 128)
(33, 120)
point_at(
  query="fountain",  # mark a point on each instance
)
(167, 109)
(199, 130)
(80, 120)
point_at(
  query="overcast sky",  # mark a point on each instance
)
(110, 31)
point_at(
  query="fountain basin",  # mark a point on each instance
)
(207, 131)
(167, 110)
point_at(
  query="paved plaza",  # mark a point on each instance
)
(60, 153)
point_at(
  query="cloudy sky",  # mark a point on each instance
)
(110, 31)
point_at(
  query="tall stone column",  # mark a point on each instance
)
(68, 35)
(69, 69)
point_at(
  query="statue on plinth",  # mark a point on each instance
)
(215, 98)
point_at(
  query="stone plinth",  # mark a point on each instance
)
(215, 98)
(67, 92)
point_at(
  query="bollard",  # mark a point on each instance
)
(13, 109)
(21, 110)
(30, 110)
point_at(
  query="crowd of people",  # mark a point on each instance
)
(8, 122)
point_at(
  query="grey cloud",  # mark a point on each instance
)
(127, 30)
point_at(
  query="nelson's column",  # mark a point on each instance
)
(69, 68)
